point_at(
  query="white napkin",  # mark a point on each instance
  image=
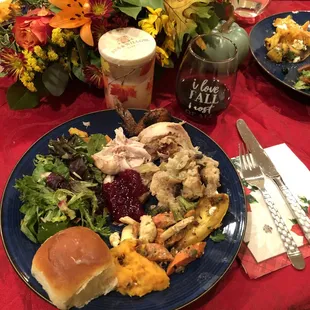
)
(261, 235)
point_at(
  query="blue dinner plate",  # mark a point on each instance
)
(199, 277)
(265, 29)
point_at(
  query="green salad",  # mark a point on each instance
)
(65, 189)
(303, 82)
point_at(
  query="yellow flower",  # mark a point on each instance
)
(168, 44)
(74, 57)
(32, 62)
(52, 56)
(162, 56)
(68, 35)
(5, 10)
(154, 23)
(26, 78)
(64, 62)
(8, 10)
(169, 26)
(15, 9)
(58, 37)
(40, 52)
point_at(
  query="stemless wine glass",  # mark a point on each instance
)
(207, 76)
(247, 10)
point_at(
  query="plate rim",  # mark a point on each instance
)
(261, 65)
(24, 280)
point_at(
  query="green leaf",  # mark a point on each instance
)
(294, 221)
(55, 79)
(78, 72)
(20, 98)
(28, 222)
(154, 4)
(82, 50)
(306, 73)
(301, 85)
(218, 236)
(131, 11)
(205, 25)
(95, 59)
(54, 8)
(2, 74)
(42, 90)
(49, 229)
(96, 143)
(185, 27)
(199, 9)
(250, 199)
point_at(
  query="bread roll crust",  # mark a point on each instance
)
(66, 262)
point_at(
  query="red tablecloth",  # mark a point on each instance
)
(275, 114)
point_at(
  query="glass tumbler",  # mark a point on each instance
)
(207, 76)
(247, 10)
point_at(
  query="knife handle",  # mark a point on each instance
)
(298, 212)
(290, 245)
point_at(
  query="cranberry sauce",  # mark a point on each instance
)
(122, 195)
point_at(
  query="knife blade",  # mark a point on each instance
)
(270, 171)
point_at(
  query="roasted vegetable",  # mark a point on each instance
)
(275, 54)
(186, 256)
(209, 215)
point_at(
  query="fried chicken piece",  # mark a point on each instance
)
(150, 118)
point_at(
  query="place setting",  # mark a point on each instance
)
(113, 201)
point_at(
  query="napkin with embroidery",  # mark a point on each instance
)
(262, 250)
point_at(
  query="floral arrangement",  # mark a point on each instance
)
(44, 44)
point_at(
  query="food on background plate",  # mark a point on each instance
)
(291, 41)
(103, 183)
(303, 82)
(74, 266)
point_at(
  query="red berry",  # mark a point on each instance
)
(122, 195)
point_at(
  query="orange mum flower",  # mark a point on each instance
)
(73, 15)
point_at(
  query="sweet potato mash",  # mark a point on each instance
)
(137, 275)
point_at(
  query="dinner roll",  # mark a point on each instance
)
(74, 266)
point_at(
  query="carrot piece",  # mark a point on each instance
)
(190, 213)
(186, 256)
(158, 236)
(163, 220)
(108, 139)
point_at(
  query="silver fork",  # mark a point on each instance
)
(252, 173)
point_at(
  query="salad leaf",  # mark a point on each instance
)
(218, 236)
(305, 73)
(55, 181)
(301, 85)
(48, 229)
(54, 216)
(49, 163)
(69, 148)
(28, 222)
(33, 193)
(96, 143)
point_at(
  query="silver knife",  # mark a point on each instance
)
(270, 171)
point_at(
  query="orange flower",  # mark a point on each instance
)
(72, 15)
(33, 29)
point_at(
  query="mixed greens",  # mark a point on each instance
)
(303, 82)
(65, 189)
